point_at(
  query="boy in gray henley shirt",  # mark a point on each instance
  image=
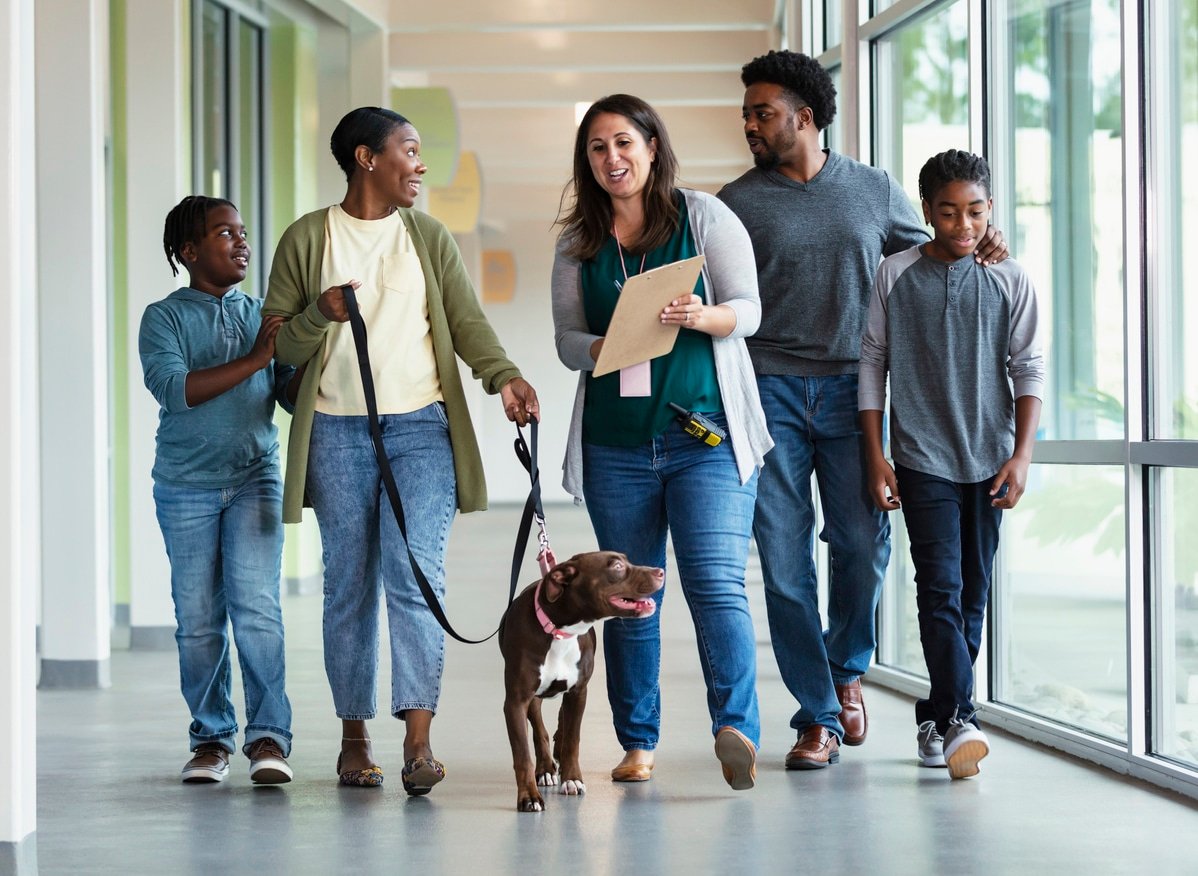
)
(962, 346)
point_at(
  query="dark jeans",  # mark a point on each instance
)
(954, 535)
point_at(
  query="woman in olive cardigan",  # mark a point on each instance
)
(422, 313)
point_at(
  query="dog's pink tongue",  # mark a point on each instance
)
(643, 607)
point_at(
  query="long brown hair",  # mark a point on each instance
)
(588, 222)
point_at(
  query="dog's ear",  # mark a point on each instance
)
(558, 580)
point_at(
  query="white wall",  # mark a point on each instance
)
(19, 529)
(158, 177)
(72, 78)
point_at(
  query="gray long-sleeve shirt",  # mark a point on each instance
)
(961, 343)
(817, 246)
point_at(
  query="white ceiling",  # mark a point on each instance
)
(517, 68)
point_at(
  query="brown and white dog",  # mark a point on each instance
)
(547, 639)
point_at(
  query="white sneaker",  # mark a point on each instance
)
(931, 745)
(964, 746)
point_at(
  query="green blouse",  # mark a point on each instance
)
(686, 375)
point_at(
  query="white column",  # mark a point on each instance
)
(19, 530)
(159, 164)
(71, 89)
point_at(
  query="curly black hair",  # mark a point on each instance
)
(952, 166)
(802, 79)
(186, 223)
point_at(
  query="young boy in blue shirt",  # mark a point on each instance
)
(207, 355)
(962, 347)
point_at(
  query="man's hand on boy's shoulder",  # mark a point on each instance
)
(992, 249)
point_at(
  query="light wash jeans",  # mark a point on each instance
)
(225, 547)
(365, 555)
(634, 495)
(813, 421)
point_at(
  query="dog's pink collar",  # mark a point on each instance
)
(543, 619)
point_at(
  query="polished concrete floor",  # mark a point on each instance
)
(110, 800)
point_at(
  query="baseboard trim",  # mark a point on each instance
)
(152, 638)
(75, 674)
(20, 858)
(304, 586)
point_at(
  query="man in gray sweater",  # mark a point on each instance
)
(820, 223)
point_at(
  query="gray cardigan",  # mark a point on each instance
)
(730, 274)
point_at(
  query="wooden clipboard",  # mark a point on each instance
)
(635, 333)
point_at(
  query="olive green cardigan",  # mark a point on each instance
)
(459, 327)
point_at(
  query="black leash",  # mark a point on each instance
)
(528, 458)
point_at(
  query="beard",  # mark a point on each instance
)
(768, 160)
(771, 154)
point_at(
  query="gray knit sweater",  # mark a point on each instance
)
(817, 246)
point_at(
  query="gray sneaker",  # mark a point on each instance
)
(931, 745)
(964, 746)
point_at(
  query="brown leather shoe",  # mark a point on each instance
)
(634, 767)
(852, 712)
(817, 747)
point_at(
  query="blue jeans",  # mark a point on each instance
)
(954, 535)
(634, 495)
(225, 547)
(813, 421)
(365, 555)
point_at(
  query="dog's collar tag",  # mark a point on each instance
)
(543, 619)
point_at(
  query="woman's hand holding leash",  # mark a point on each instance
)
(331, 302)
(520, 401)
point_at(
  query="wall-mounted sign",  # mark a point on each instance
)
(499, 276)
(458, 204)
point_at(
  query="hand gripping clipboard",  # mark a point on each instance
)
(635, 333)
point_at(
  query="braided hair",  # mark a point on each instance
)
(186, 223)
(801, 77)
(954, 165)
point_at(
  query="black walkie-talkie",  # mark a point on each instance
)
(694, 423)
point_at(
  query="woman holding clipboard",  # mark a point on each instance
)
(643, 470)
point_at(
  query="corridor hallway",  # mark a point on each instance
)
(110, 800)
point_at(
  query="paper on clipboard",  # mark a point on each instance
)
(635, 333)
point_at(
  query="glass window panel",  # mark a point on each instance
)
(213, 172)
(1175, 120)
(921, 98)
(921, 107)
(899, 641)
(834, 133)
(1060, 601)
(833, 23)
(1176, 669)
(249, 144)
(1064, 191)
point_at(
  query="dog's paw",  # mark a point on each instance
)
(572, 788)
(533, 802)
(547, 779)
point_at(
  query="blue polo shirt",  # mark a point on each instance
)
(228, 439)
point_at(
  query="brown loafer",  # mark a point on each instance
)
(852, 712)
(817, 747)
(633, 772)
